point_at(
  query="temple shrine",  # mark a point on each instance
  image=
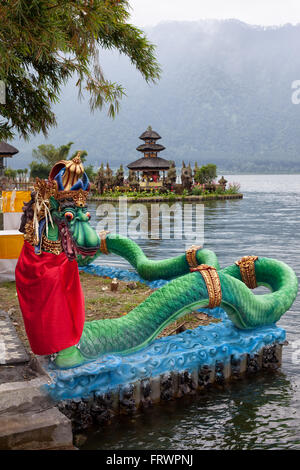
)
(150, 166)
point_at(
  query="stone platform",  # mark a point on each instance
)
(29, 418)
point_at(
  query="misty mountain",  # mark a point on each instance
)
(224, 98)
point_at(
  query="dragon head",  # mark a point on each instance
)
(60, 220)
(77, 236)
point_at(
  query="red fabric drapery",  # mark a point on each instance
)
(51, 300)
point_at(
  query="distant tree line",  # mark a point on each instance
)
(45, 157)
(194, 180)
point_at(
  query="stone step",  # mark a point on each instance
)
(12, 350)
(48, 429)
(19, 397)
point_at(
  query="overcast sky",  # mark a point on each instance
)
(262, 12)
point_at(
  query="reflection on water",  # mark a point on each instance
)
(259, 412)
(254, 414)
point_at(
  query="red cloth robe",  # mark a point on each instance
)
(51, 300)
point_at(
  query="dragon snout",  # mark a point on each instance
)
(86, 240)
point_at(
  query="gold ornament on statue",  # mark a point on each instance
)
(247, 270)
(213, 285)
(79, 196)
(103, 247)
(191, 255)
(74, 171)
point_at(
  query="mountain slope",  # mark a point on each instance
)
(224, 97)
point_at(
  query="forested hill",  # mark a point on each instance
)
(224, 97)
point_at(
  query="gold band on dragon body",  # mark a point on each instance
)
(191, 256)
(212, 281)
(103, 247)
(247, 270)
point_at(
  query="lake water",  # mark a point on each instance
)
(259, 412)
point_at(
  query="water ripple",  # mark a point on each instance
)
(260, 412)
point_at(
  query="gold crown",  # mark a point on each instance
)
(79, 196)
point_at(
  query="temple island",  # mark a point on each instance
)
(152, 176)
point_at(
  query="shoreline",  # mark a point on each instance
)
(207, 197)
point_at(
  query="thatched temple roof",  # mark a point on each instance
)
(150, 134)
(7, 150)
(149, 163)
(150, 148)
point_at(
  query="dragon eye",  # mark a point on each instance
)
(69, 216)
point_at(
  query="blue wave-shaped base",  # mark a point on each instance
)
(186, 351)
(121, 274)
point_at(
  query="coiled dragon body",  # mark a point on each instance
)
(185, 292)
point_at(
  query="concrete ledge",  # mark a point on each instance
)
(24, 396)
(48, 429)
(100, 409)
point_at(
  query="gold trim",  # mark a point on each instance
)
(79, 196)
(45, 189)
(51, 246)
(247, 270)
(191, 255)
(29, 233)
(213, 285)
(103, 247)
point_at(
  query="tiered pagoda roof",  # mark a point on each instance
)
(150, 134)
(148, 163)
(150, 148)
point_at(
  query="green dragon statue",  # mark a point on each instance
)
(58, 238)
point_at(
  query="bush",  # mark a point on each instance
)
(197, 191)
(233, 188)
(219, 190)
(206, 174)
